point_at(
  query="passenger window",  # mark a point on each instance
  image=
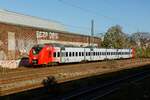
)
(66, 54)
(54, 54)
(86, 54)
(82, 53)
(76, 53)
(69, 54)
(58, 54)
(72, 53)
(79, 53)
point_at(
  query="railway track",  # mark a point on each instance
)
(31, 76)
(28, 74)
(20, 71)
(107, 88)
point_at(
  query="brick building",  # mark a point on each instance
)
(18, 33)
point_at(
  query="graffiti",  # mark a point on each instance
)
(2, 53)
(24, 46)
(46, 35)
(11, 41)
(9, 63)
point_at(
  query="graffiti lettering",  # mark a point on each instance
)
(46, 35)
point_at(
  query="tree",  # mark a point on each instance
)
(141, 39)
(141, 42)
(115, 38)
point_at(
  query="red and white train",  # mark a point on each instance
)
(42, 54)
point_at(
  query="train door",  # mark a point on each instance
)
(91, 53)
(62, 55)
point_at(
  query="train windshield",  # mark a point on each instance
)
(36, 50)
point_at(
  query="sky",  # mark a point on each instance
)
(76, 15)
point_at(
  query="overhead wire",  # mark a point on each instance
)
(86, 10)
(91, 11)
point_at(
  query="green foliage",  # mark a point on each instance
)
(140, 53)
(115, 38)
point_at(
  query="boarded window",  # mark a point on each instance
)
(11, 41)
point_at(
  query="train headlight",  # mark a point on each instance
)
(35, 61)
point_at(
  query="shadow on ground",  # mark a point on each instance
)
(54, 91)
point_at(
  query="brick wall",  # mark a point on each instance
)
(16, 40)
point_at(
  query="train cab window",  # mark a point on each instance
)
(54, 54)
(36, 50)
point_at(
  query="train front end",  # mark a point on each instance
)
(40, 55)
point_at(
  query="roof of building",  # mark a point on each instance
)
(36, 22)
(26, 20)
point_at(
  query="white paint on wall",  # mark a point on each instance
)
(2, 55)
(65, 43)
(41, 35)
(11, 64)
(11, 41)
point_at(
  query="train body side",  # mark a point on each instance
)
(47, 54)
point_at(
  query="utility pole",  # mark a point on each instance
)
(92, 33)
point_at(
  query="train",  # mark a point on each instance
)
(47, 54)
